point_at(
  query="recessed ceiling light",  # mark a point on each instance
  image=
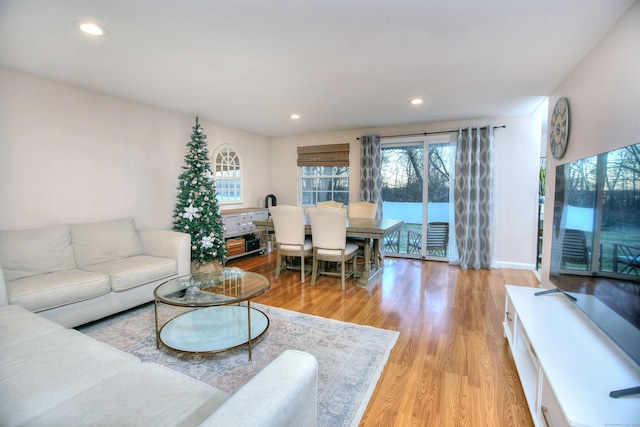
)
(91, 28)
(416, 101)
(295, 116)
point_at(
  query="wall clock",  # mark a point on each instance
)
(559, 128)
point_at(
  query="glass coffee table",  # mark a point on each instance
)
(217, 322)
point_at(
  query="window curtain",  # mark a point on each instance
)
(473, 198)
(370, 171)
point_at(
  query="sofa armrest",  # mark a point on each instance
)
(4, 298)
(283, 394)
(168, 244)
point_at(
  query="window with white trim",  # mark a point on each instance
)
(228, 176)
(322, 183)
(323, 174)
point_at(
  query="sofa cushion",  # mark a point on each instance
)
(41, 373)
(155, 396)
(18, 325)
(105, 241)
(134, 271)
(46, 291)
(25, 253)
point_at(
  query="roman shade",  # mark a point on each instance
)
(324, 155)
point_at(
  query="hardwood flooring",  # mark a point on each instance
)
(451, 365)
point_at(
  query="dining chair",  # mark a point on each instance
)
(288, 225)
(330, 204)
(361, 210)
(329, 236)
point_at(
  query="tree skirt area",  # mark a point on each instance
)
(350, 357)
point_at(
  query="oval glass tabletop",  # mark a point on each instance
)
(219, 287)
(214, 329)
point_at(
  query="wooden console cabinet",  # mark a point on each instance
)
(240, 231)
(567, 366)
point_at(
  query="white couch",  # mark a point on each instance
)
(75, 274)
(52, 376)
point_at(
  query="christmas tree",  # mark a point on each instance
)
(197, 211)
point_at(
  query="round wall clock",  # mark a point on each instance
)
(559, 128)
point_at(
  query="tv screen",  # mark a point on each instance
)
(595, 250)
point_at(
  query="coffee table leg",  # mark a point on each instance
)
(155, 306)
(249, 326)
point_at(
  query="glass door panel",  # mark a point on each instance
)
(402, 193)
(418, 193)
(438, 208)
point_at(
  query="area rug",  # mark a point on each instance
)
(350, 357)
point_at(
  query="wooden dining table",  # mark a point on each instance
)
(370, 229)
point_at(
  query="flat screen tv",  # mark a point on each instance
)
(595, 249)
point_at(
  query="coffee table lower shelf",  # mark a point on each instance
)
(214, 329)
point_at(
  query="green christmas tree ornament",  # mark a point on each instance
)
(197, 211)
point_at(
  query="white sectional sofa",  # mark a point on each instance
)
(75, 274)
(52, 376)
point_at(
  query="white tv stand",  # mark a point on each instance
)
(567, 366)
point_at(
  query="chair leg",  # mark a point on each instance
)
(353, 267)
(302, 268)
(278, 264)
(342, 272)
(314, 271)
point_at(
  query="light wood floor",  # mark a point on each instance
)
(451, 365)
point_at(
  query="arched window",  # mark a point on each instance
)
(226, 166)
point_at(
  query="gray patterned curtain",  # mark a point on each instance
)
(473, 198)
(370, 174)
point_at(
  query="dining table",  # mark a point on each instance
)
(371, 230)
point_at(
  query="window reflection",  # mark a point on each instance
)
(596, 222)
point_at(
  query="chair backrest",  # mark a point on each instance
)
(330, 204)
(362, 210)
(288, 224)
(437, 235)
(329, 227)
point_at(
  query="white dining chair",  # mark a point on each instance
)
(362, 210)
(330, 204)
(288, 225)
(329, 235)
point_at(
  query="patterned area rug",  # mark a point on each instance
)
(350, 357)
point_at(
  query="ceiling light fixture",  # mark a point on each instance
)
(91, 28)
(416, 101)
(295, 116)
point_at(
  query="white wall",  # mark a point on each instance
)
(71, 155)
(604, 101)
(517, 160)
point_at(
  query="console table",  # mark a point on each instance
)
(238, 224)
(567, 366)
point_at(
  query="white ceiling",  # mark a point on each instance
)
(340, 64)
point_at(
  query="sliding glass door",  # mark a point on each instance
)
(417, 175)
